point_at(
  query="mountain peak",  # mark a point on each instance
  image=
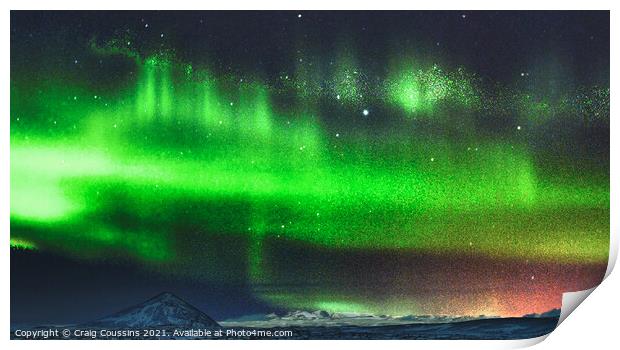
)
(165, 296)
(164, 309)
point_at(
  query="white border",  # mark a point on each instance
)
(595, 322)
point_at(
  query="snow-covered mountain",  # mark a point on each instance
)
(303, 318)
(350, 316)
(324, 315)
(318, 315)
(165, 309)
(550, 313)
(322, 318)
(304, 315)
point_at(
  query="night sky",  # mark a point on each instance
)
(444, 163)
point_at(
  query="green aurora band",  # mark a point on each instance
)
(102, 175)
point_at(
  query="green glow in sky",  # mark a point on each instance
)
(22, 244)
(109, 175)
(420, 91)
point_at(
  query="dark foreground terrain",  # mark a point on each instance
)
(167, 316)
(499, 328)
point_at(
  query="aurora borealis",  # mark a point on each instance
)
(320, 163)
